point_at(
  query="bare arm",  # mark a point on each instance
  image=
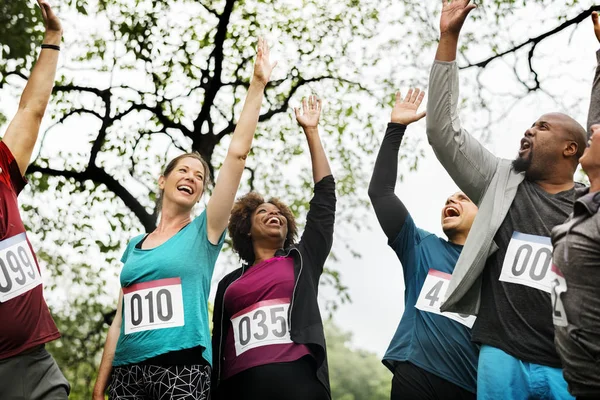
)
(228, 181)
(108, 355)
(309, 121)
(22, 133)
(451, 21)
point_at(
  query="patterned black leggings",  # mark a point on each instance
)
(152, 382)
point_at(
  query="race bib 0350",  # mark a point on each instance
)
(527, 261)
(433, 294)
(559, 286)
(18, 270)
(262, 324)
(153, 305)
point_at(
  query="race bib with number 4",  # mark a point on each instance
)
(153, 305)
(433, 294)
(262, 324)
(559, 286)
(18, 269)
(527, 261)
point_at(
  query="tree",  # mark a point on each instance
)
(144, 79)
(355, 374)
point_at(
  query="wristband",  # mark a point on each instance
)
(51, 46)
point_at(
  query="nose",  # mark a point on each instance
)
(529, 132)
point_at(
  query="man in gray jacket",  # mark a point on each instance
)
(575, 298)
(503, 274)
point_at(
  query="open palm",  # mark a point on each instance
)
(454, 14)
(405, 111)
(311, 112)
(51, 21)
(263, 66)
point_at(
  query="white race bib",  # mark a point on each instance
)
(262, 324)
(433, 294)
(18, 270)
(559, 286)
(527, 261)
(153, 305)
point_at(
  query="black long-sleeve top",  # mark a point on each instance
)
(390, 211)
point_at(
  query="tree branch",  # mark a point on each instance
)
(536, 40)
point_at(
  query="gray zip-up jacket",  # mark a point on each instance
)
(488, 180)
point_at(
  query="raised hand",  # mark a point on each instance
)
(263, 66)
(453, 15)
(405, 111)
(596, 25)
(311, 112)
(51, 21)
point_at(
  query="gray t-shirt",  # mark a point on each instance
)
(513, 317)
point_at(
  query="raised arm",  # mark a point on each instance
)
(108, 355)
(469, 164)
(391, 212)
(594, 112)
(22, 133)
(228, 181)
(317, 237)
(308, 119)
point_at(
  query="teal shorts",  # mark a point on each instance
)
(502, 376)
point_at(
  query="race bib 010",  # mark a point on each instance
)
(559, 286)
(527, 261)
(153, 305)
(433, 294)
(18, 270)
(262, 324)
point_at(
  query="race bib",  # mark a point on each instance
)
(527, 261)
(153, 305)
(433, 294)
(262, 324)
(18, 269)
(559, 286)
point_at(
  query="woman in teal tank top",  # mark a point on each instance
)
(158, 346)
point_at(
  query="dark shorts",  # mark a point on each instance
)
(32, 375)
(296, 380)
(412, 382)
(155, 382)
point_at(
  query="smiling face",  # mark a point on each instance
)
(268, 222)
(590, 160)
(553, 138)
(184, 184)
(458, 214)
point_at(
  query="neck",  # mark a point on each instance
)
(594, 176)
(265, 250)
(173, 219)
(555, 182)
(458, 238)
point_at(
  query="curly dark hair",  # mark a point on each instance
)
(240, 223)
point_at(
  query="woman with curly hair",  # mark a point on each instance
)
(268, 339)
(158, 346)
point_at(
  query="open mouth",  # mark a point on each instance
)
(185, 189)
(525, 145)
(273, 221)
(451, 212)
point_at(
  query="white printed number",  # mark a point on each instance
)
(432, 295)
(263, 324)
(18, 269)
(527, 261)
(154, 307)
(559, 286)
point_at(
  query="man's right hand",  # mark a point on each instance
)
(596, 25)
(405, 111)
(453, 16)
(51, 21)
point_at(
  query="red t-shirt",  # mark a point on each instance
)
(258, 331)
(25, 320)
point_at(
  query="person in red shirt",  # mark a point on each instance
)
(27, 370)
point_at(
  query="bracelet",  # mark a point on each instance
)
(51, 46)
